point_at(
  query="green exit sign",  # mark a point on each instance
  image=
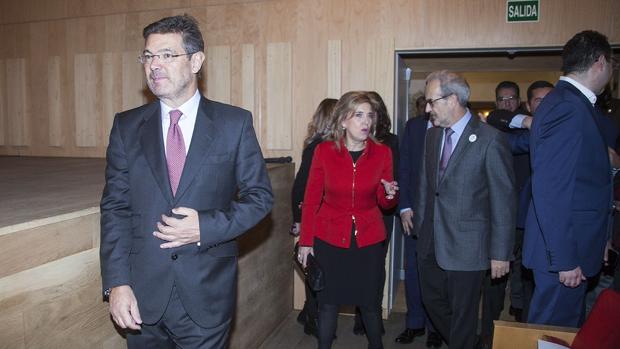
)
(522, 10)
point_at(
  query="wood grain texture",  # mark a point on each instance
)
(25, 249)
(3, 111)
(46, 306)
(334, 68)
(87, 101)
(248, 87)
(279, 96)
(35, 32)
(50, 288)
(55, 101)
(17, 110)
(111, 94)
(218, 73)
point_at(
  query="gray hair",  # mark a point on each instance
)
(451, 84)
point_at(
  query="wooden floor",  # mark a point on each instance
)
(36, 187)
(290, 334)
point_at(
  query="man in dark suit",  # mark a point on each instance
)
(412, 152)
(514, 124)
(507, 98)
(185, 176)
(465, 212)
(571, 185)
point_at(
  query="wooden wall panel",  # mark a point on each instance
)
(3, 111)
(279, 96)
(17, 110)
(47, 306)
(87, 101)
(111, 91)
(248, 84)
(334, 68)
(380, 68)
(55, 96)
(218, 73)
(50, 294)
(321, 33)
(134, 87)
(21, 251)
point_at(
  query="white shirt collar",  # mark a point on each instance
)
(591, 96)
(459, 126)
(189, 108)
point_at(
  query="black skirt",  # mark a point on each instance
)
(353, 276)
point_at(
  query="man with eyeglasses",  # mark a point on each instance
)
(464, 213)
(184, 178)
(567, 220)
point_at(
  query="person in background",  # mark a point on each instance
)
(521, 279)
(342, 225)
(567, 221)
(508, 106)
(465, 210)
(412, 151)
(317, 129)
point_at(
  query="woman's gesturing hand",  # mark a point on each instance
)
(390, 188)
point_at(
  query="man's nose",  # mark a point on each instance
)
(427, 108)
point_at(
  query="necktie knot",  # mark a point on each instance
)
(175, 115)
(449, 132)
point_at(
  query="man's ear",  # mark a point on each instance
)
(197, 59)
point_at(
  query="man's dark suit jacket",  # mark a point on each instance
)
(411, 153)
(468, 217)
(571, 185)
(224, 179)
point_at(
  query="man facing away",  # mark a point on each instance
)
(185, 176)
(567, 219)
(464, 214)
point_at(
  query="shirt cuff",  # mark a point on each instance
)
(405, 209)
(517, 121)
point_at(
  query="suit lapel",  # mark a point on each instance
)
(152, 143)
(462, 145)
(202, 138)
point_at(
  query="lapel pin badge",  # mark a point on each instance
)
(472, 138)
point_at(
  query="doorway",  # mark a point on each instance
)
(483, 69)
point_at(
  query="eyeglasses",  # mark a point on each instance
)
(506, 98)
(163, 57)
(431, 101)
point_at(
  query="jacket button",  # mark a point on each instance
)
(174, 256)
(436, 193)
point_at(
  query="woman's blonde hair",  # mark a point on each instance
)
(344, 109)
(321, 120)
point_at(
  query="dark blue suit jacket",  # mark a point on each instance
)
(224, 179)
(571, 185)
(411, 155)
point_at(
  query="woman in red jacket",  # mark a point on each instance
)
(350, 179)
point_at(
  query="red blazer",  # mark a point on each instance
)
(339, 193)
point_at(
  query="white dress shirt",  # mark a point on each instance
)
(186, 122)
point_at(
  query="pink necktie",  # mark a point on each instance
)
(175, 150)
(446, 153)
